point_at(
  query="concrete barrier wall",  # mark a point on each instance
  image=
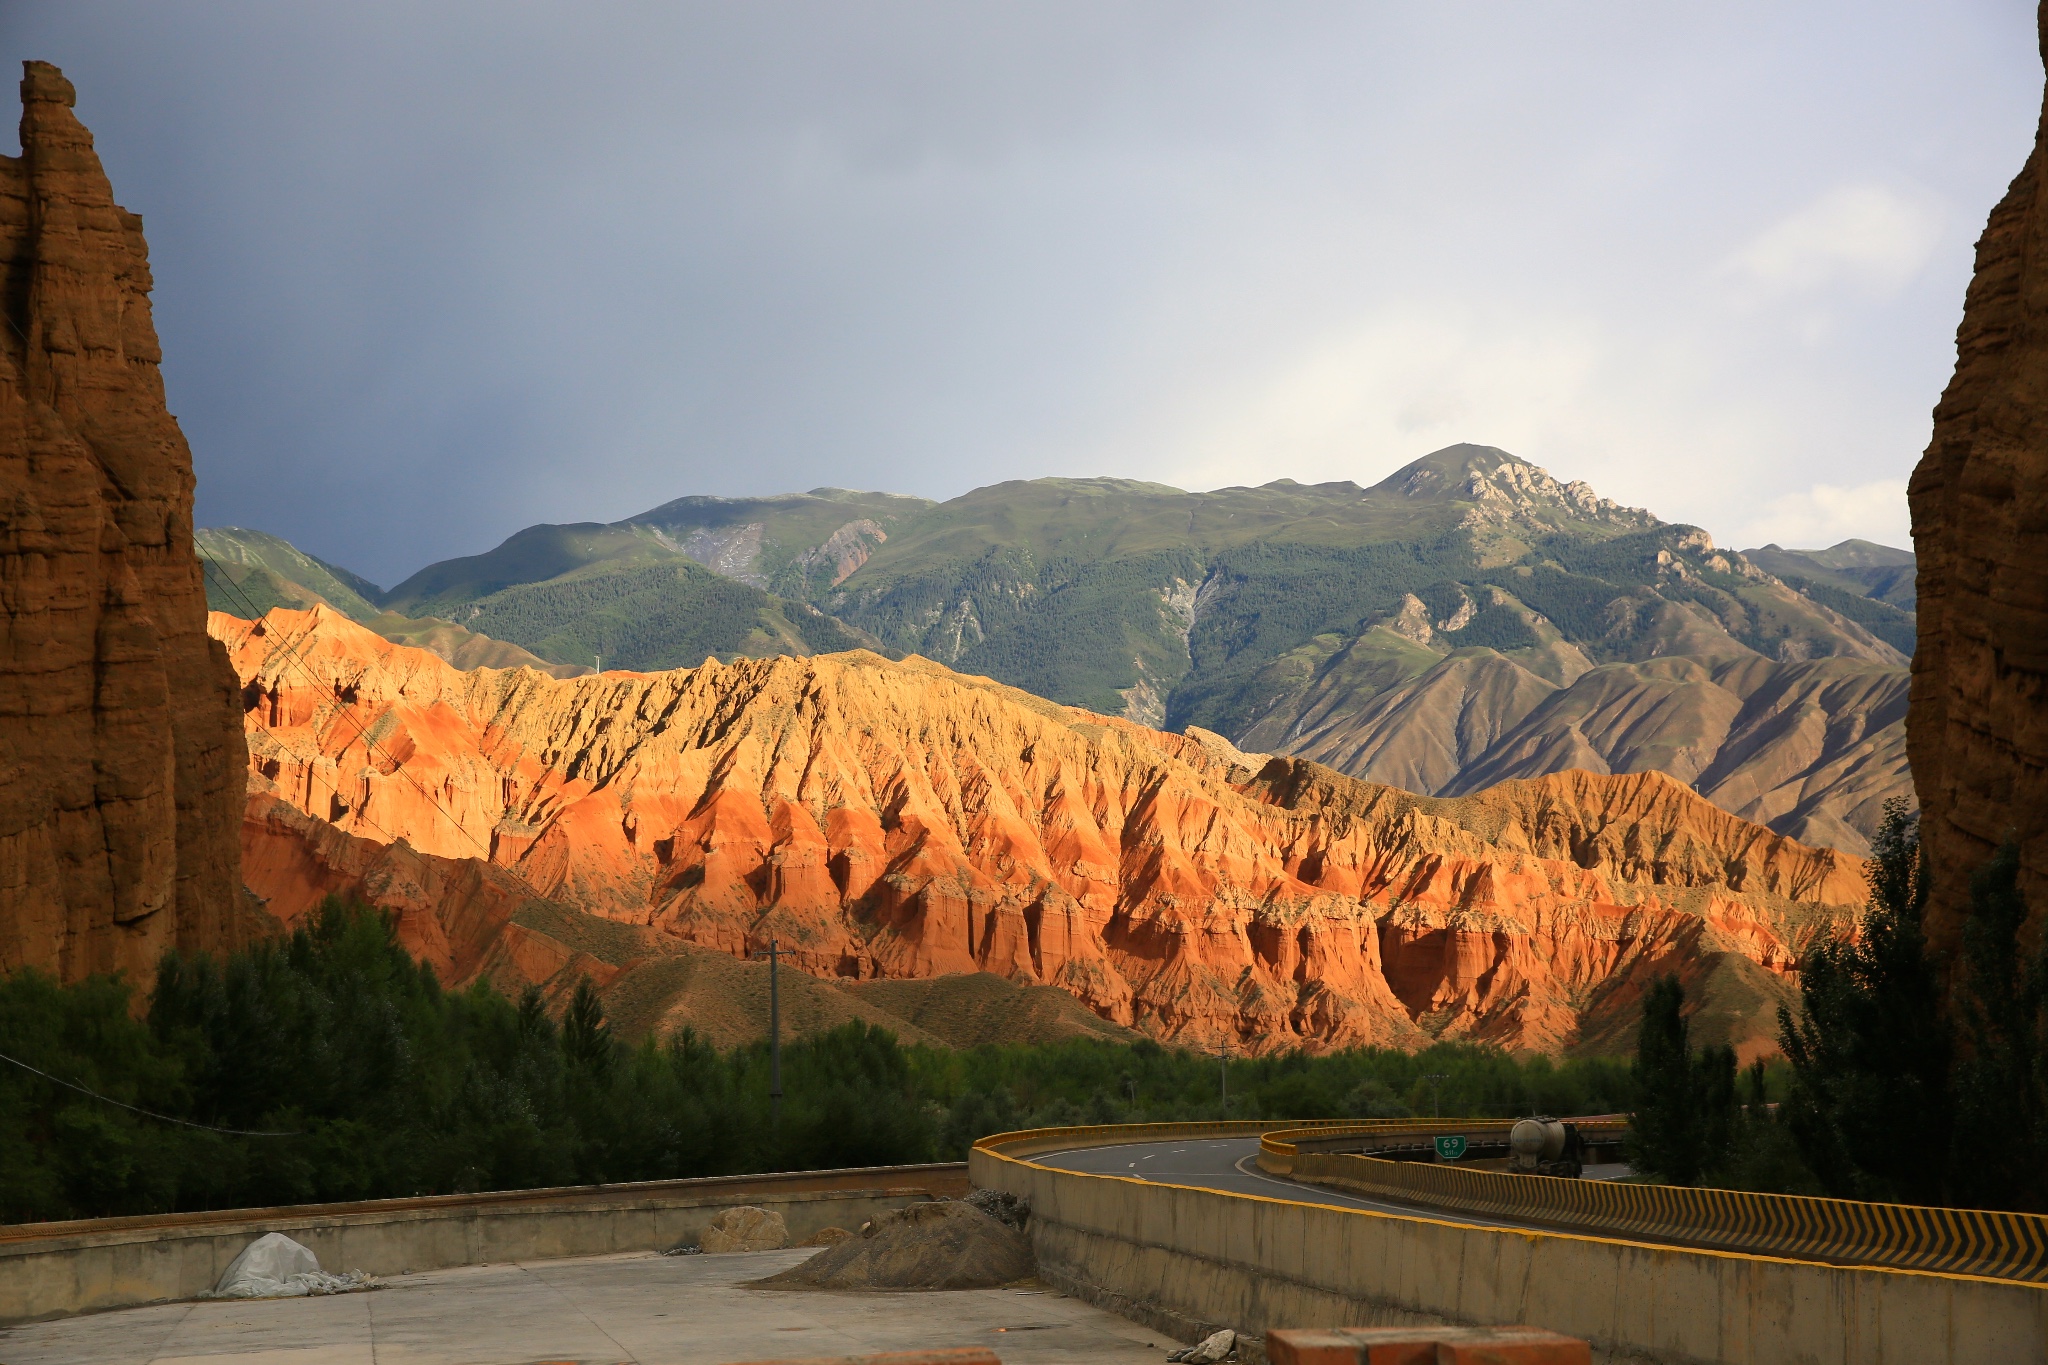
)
(1179, 1256)
(52, 1270)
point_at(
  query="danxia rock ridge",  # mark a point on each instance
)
(1977, 730)
(897, 820)
(121, 754)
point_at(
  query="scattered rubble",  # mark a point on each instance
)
(1216, 1347)
(1001, 1205)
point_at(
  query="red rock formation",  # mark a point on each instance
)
(901, 820)
(1977, 727)
(119, 752)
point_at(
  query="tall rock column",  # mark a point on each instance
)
(1977, 727)
(121, 751)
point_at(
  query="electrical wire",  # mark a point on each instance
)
(135, 1109)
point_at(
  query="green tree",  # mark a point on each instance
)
(2001, 1075)
(1668, 1132)
(1869, 1105)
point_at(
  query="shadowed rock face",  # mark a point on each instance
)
(1977, 727)
(901, 820)
(120, 756)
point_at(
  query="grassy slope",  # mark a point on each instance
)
(247, 575)
(668, 614)
(281, 573)
(1856, 567)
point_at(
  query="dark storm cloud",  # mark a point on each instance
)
(427, 274)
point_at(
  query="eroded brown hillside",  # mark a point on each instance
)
(898, 820)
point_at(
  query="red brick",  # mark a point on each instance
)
(961, 1355)
(1425, 1346)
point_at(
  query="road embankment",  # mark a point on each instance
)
(1183, 1258)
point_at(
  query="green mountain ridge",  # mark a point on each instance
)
(1467, 619)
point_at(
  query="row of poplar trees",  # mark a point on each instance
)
(1914, 1076)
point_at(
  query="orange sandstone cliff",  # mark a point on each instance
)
(900, 820)
(120, 753)
(1977, 724)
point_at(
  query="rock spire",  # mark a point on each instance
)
(121, 752)
(1977, 724)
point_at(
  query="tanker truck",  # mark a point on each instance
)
(1546, 1146)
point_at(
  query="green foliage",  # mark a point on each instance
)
(1672, 1131)
(2001, 1077)
(1694, 1123)
(1870, 1103)
(63, 1154)
(384, 1084)
(1762, 1153)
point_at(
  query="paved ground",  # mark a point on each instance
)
(645, 1309)
(1227, 1164)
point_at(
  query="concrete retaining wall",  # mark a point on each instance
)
(52, 1270)
(1173, 1254)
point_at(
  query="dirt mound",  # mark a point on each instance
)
(745, 1228)
(942, 1245)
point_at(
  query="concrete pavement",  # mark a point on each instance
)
(606, 1310)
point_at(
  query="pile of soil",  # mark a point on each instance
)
(946, 1244)
(745, 1228)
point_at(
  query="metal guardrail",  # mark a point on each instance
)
(2005, 1246)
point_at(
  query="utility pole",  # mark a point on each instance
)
(774, 1042)
(1223, 1072)
(1436, 1092)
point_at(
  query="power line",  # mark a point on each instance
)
(370, 745)
(146, 1113)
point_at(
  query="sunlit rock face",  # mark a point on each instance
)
(120, 746)
(901, 820)
(1977, 728)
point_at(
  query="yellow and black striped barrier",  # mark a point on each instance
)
(2006, 1246)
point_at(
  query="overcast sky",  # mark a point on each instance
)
(427, 273)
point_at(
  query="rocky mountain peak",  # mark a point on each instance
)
(1506, 489)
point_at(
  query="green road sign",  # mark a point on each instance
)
(1450, 1147)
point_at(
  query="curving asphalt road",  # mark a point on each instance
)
(1228, 1164)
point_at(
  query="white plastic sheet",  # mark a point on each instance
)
(275, 1267)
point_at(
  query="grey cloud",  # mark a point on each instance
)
(429, 273)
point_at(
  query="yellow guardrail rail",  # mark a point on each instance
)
(1035, 1141)
(2005, 1246)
